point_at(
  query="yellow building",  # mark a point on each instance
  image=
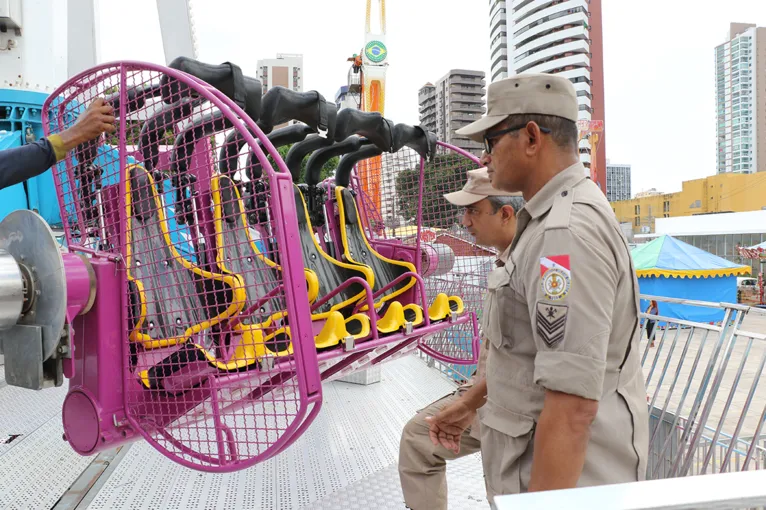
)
(718, 193)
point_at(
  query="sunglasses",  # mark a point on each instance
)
(489, 137)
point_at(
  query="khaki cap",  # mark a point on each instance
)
(477, 188)
(525, 94)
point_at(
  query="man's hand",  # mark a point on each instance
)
(97, 118)
(447, 427)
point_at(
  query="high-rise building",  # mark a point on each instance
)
(498, 39)
(427, 106)
(617, 182)
(740, 69)
(562, 37)
(284, 71)
(455, 101)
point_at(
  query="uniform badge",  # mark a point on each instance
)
(555, 275)
(551, 322)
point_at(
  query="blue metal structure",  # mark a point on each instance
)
(21, 123)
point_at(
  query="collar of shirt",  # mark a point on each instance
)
(503, 257)
(543, 199)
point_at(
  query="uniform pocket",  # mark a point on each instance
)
(506, 421)
(505, 443)
(498, 282)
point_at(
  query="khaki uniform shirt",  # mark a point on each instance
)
(481, 368)
(563, 316)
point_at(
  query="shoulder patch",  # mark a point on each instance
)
(551, 322)
(555, 276)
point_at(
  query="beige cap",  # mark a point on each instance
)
(477, 188)
(530, 94)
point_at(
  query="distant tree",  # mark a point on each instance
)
(446, 174)
(328, 170)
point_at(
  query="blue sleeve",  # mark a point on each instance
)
(22, 163)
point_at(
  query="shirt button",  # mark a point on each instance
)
(564, 193)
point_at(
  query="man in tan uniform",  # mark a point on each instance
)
(490, 216)
(564, 403)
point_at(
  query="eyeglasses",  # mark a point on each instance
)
(488, 137)
(475, 211)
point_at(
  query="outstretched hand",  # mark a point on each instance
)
(95, 120)
(447, 427)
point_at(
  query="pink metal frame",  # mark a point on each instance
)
(96, 393)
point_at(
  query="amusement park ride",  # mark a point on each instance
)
(202, 296)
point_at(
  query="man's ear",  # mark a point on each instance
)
(507, 213)
(534, 138)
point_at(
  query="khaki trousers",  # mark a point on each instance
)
(423, 466)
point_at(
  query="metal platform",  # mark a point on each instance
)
(346, 460)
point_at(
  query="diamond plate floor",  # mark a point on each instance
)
(381, 490)
(347, 459)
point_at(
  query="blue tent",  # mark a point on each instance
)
(668, 267)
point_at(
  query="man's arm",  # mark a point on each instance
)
(475, 397)
(561, 438)
(571, 282)
(22, 163)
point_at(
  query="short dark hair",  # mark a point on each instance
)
(563, 131)
(497, 202)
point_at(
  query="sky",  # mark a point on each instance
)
(658, 60)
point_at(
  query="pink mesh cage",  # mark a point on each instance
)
(412, 210)
(205, 306)
(226, 323)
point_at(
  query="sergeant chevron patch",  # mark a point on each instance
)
(551, 322)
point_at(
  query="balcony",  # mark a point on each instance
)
(578, 47)
(577, 31)
(466, 80)
(468, 107)
(554, 12)
(547, 28)
(520, 13)
(563, 64)
(466, 90)
(466, 118)
(427, 106)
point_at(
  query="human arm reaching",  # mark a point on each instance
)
(22, 163)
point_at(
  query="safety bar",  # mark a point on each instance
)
(745, 489)
(421, 289)
(367, 297)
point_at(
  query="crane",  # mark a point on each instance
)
(591, 130)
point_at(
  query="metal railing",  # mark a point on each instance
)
(702, 379)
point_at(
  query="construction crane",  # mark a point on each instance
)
(367, 79)
(591, 130)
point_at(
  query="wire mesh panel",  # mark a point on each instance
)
(215, 313)
(413, 212)
(703, 388)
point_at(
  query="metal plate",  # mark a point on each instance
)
(29, 239)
